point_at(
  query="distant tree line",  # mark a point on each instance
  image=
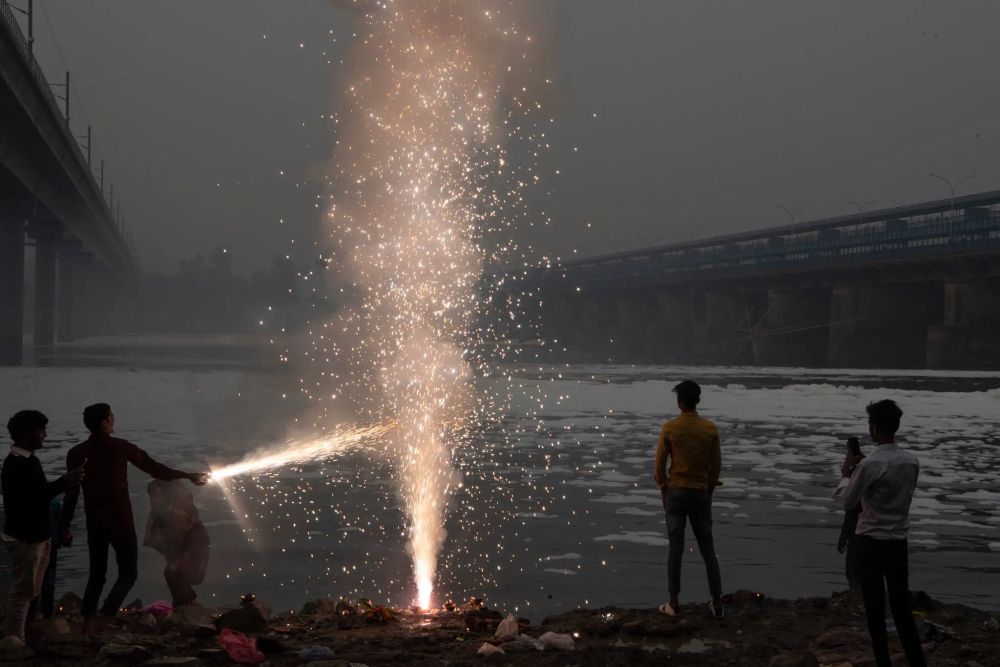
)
(205, 296)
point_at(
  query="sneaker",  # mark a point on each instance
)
(717, 613)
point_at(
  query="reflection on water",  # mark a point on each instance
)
(568, 514)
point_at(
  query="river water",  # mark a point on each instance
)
(557, 507)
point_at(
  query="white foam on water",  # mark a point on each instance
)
(638, 537)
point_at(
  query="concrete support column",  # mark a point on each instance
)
(46, 237)
(633, 339)
(796, 331)
(67, 299)
(966, 337)
(883, 326)
(599, 330)
(669, 328)
(729, 334)
(11, 290)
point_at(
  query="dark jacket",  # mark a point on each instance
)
(105, 483)
(26, 497)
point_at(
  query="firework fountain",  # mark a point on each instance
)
(422, 197)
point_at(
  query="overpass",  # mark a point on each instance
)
(49, 197)
(911, 286)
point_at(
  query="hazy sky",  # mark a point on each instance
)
(709, 113)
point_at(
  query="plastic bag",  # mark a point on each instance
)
(507, 628)
(241, 649)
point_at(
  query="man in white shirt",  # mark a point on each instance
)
(883, 483)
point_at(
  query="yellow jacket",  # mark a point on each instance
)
(692, 445)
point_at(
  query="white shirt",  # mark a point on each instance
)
(26, 453)
(884, 483)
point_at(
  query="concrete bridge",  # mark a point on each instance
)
(907, 287)
(49, 197)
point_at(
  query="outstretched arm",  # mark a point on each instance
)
(144, 462)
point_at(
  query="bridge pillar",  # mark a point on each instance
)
(796, 331)
(966, 338)
(883, 326)
(669, 328)
(599, 327)
(46, 237)
(730, 332)
(11, 290)
(67, 297)
(633, 339)
(561, 321)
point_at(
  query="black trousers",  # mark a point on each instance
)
(127, 558)
(883, 565)
(681, 505)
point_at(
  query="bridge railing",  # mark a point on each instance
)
(10, 23)
(960, 232)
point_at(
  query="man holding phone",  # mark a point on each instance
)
(883, 484)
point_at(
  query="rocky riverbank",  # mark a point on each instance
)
(757, 630)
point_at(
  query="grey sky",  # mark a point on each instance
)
(709, 113)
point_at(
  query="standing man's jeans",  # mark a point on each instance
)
(47, 601)
(681, 505)
(883, 563)
(27, 568)
(127, 558)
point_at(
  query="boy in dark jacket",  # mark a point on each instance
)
(26, 498)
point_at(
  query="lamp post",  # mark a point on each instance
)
(952, 187)
(792, 213)
(860, 205)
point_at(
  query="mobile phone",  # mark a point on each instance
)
(854, 446)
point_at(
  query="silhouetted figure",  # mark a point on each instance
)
(109, 510)
(175, 530)
(691, 444)
(26, 498)
(883, 484)
(47, 599)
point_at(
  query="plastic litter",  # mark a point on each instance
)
(489, 649)
(240, 648)
(991, 624)
(507, 628)
(524, 643)
(314, 653)
(560, 642)
(160, 609)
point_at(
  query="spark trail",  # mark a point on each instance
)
(294, 452)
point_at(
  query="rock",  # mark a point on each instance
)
(523, 643)
(559, 642)
(148, 621)
(270, 645)
(186, 661)
(482, 619)
(489, 649)
(991, 624)
(196, 631)
(801, 659)
(838, 645)
(507, 628)
(68, 646)
(248, 618)
(694, 646)
(134, 605)
(125, 652)
(194, 614)
(69, 603)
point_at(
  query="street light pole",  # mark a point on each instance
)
(791, 213)
(952, 187)
(860, 205)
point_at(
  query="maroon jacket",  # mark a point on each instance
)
(105, 482)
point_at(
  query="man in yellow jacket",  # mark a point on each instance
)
(691, 445)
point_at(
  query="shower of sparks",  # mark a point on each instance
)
(295, 452)
(441, 128)
(421, 181)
